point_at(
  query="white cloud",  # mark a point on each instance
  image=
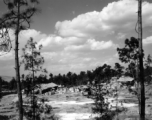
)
(91, 44)
(74, 47)
(100, 45)
(24, 36)
(121, 36)
(49, 55)
(90, 39)
(116, 55)
(30, 33)
(52, 40)
(117, 16)
(7, 56)
(147, 40)
(88, 59)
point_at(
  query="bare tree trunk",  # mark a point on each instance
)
(142, 87)
(0, 87)
(17, 68)
(138, 87)
(139, 99)
(33, 99)
(33, 87)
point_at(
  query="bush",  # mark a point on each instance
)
(42, 111)
(101, 107)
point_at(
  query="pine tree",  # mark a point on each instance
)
(33, 62)
(18, 18)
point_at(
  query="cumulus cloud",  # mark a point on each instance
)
(90, 39)
(30, 33)
(52, 40)
(83, 41)
(147, 40)
(91, 44)
(7, 56)
(100, 45)
(121, 36)
(116, 16)
(24, 36)
(75, 48)
(49, 55)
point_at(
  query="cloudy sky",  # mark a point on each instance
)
(79, 35)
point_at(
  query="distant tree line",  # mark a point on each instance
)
(101, 74)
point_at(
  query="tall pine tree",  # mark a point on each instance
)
(18, 18)
(33, 62)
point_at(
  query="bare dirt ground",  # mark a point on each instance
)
(7, 109)
(68, 106)
(72, 106)
(75, 106)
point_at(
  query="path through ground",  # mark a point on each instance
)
(72, 106)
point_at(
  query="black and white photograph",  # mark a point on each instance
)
(75, 59)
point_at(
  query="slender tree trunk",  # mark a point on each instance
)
(138, 87)
(139, 102)
(17, 67)
(0, 87)
(116, 103)
(33, 86)
(142, 87)
(33, 98)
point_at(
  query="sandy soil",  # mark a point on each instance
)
(69, 106)
(75, 106)
(7, 108)
(72, 106)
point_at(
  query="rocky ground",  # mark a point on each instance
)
(75, 106)
(72, 106)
